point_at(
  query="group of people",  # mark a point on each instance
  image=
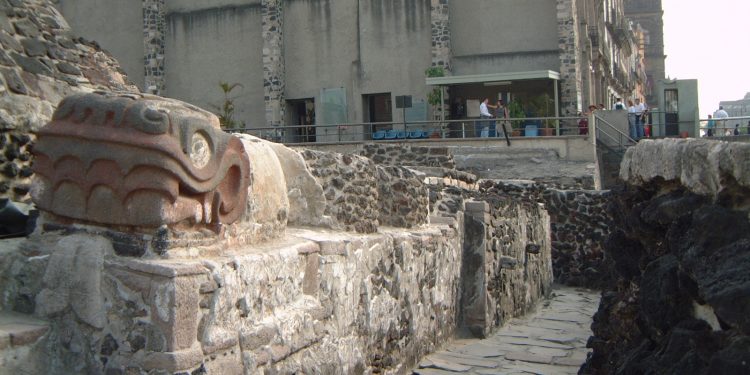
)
(637, 115)
(487, 127)
(716, 125)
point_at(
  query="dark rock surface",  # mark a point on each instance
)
(679, 302)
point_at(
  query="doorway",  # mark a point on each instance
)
(378, 109)
(302, 120)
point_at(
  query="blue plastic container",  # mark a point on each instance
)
(531, 131)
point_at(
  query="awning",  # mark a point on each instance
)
(494, 77)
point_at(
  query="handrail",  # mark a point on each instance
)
(366, 131)
(620, 135)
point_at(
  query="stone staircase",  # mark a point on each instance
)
(18, 334)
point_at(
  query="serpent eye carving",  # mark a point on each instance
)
(200, 150)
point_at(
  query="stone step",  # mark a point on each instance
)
(19, 329)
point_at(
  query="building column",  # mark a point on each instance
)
(273, 61)
(153, 46)
(441, 34)
(571, 86)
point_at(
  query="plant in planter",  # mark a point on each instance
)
(543, 106)
(434, 96)
(225, 111)
(515, 111)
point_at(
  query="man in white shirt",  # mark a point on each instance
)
(721, 124)
(483, 127)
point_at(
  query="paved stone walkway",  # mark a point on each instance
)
(551, 340)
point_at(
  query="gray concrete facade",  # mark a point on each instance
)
(283, 52)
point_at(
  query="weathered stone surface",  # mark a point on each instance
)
(697, 164)
(305, 194)
(267, 202)
(73, 278)
(681, 258)
(350, 187)
(494, 261)
(403, 197)
(410, 155)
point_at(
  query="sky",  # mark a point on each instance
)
(709, 41)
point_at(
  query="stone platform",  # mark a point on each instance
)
(551, 340)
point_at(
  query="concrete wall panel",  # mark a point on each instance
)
(116, 25)
(481, 27)
(351, 44)
(206, 47)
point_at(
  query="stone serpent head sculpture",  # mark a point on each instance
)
(140, 161)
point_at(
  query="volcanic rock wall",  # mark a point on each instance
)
(679, 301)
(506, 266)
(41, 62)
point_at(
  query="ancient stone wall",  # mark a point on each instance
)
(350, 187)
(326, 302)
(506, 265)
(362, 195)
(579, 223)
(409, 155)
(402, 197)
(41, 62)
(678, 300)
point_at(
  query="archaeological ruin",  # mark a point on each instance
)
(157, 243)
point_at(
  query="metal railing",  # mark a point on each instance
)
(610, 135)
(415, 130)
(725, 127)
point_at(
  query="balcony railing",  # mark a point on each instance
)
(422, 130)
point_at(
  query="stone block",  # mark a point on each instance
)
(221, 344)
(229, 362)
(332, 248)
(257, 337)
(175, 306)
(73, 278)
(311, 280)
(473, 206)
(174, 361)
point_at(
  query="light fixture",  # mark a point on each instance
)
(498, 83)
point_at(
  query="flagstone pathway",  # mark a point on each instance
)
(551, 340)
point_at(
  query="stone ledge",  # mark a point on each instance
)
(698, 164)
(174, 361)
(19, 329)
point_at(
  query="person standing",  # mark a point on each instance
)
(483, 127)
(618, 105)
(632, 115)
(721, 123)
(501, 113)
(640, 113)
(710, 125)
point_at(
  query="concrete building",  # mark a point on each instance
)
(678, 112)
(342, 61)
(737, 108)
(649, 15)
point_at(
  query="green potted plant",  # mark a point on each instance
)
(515, 111)
(543, 106)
